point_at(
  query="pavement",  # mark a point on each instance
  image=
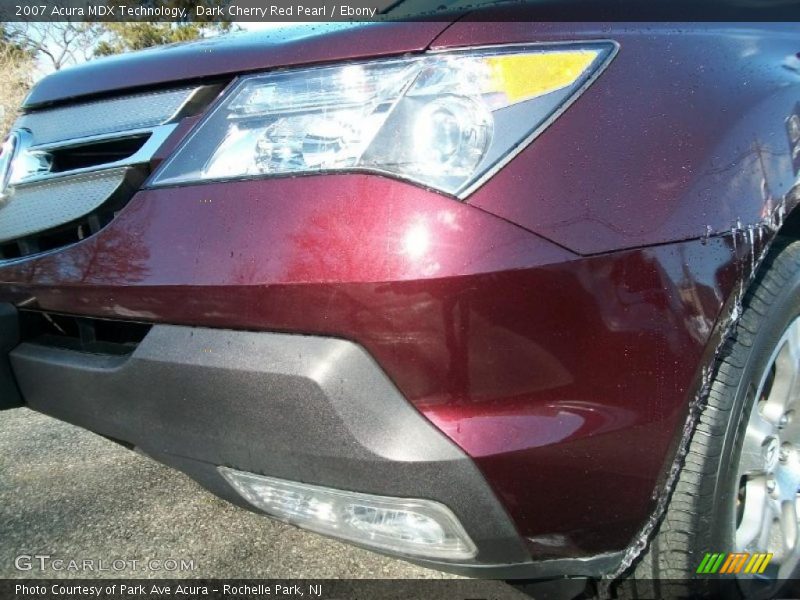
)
(70, 494)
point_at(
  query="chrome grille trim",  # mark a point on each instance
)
(37, 207)
(104, 117)
(143, 155)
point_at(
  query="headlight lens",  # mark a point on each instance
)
(443, 120)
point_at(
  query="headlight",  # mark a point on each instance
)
(444, 120)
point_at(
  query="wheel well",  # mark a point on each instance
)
(791, 225)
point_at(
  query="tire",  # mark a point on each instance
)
(712, 503)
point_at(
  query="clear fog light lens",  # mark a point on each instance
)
(402, 525)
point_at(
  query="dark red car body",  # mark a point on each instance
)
(556, 325)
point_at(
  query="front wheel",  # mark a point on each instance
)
(731, 527)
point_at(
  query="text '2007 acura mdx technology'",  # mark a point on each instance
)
(504, 298)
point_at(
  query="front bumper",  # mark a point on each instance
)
(553, 373)
(311, 409)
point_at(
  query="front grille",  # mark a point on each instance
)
(77, 166)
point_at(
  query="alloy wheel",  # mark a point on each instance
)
(767, 503)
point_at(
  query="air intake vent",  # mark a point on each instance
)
(82, 334)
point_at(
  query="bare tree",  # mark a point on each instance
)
(24, 46)
(16, 66)
(59, 43)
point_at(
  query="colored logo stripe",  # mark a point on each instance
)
(711, 563)
(704, 563)
(758, 563)
(733, 563)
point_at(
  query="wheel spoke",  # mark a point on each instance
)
(769, 536)
(793, 341)
(752, 458)
(783, 393)
(790, 531)
(754, 514)
(789, 527)
(791, 431)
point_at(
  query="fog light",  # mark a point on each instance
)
(402, 525)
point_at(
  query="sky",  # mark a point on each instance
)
(247, 26)
(44, 67)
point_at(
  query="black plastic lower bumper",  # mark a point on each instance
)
(9, 338)
(310, 409)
